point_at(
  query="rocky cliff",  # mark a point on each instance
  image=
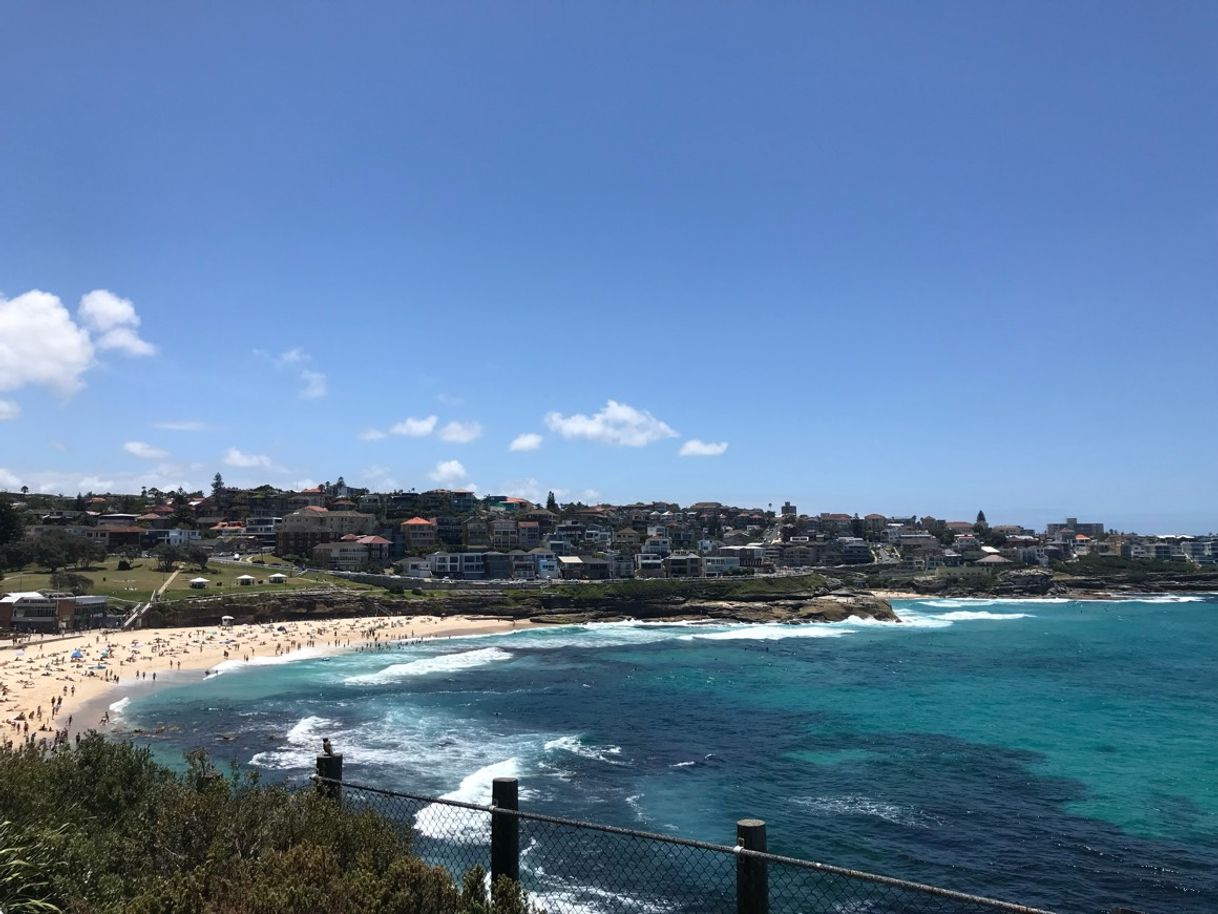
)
(799, 604)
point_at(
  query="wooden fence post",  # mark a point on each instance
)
(330, 767)
(505, 829)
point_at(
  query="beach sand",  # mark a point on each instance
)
(63, 686)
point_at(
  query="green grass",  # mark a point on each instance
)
(137, 584)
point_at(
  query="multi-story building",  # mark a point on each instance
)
(311, 526)
(419, 534)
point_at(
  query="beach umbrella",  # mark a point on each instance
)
(77, 655)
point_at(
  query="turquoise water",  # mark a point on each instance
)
(1057, 753)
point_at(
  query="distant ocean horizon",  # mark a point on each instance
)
(1053, 752)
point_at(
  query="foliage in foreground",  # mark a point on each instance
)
(103, 828)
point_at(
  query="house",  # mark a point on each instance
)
(547, 563)
(311, 526)
(415, 567)
(496, 566)
(683, 565)
(353, 553)
(419, 534)
(627, 539)
(504, 534)
(714, 566)
(476, 533)
(445, 564)
(648, 565)
(529, 534)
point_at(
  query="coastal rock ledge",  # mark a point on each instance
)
(835, 608)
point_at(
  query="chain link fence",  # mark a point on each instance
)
(566, 866)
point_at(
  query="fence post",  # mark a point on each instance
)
(752, 878)
(330, 767)
(505, 829)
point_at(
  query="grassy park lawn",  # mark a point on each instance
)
(137, 584)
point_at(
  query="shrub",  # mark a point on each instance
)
(132, 837)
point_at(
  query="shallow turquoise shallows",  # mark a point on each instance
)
(1058, 753)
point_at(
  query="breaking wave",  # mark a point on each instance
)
(445, 663)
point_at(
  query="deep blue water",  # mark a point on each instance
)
(1057, 753)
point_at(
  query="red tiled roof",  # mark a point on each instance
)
(418, 522)
(374, 541)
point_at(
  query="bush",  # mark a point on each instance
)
(131, 836)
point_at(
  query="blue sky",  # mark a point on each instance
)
(898, 257)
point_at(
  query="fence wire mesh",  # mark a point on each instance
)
(572, 867)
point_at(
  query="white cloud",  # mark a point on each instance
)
(461, 432)
(9, 410)
(185, 425)
(616, 424)
(115, 319)
(371, 434)
(124, 339)
(378, 477)
(102, 310)
(236, 458)
(95, 484)
(695, 448)
(414, 428)
(144, 450)
(42, 345)
(525, 488)
(314, 384)
(8, 481)
(529, 441)
(448, 471)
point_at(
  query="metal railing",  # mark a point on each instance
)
(566, 866)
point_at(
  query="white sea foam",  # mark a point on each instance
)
(683, 765)
(311, 730)
(573, 745)
(564, 895)
(1167, 598)
(119, 706)
(771, 632)
(858, 805)
(445, 663)
(982, 602)
(965, 615)
(305, 653)
(465, 826)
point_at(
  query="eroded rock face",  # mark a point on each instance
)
(799, 607)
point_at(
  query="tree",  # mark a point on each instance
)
(10, 523)
(551, 503)
(76, 584)
(166, 556)
(197, 555)
(217, 483)
(25, 490)
(981, 518)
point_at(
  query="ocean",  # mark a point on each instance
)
(1057, 753)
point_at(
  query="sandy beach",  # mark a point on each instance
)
(54, 688)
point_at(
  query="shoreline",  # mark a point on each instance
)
(145, 660)
(111, 665)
